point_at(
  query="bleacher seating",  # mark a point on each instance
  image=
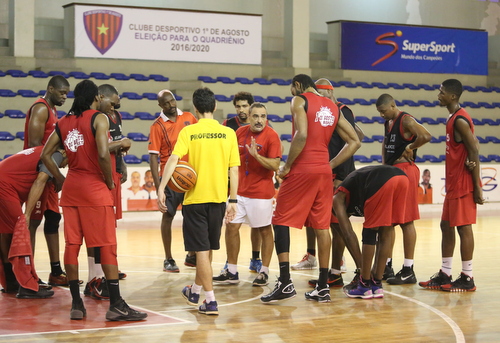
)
(132, 159)
(16, 73)
(144, 116)
(158, 78)
(286, 137)
(137, 136)
(99, 76)
(15, 114)
(61, 114)
(27, 93)
(139, 77)
(126, 115)
(275, 118)
(38, 74)
(20, 135)
(6, 136)
(131, 95)
(7, 93)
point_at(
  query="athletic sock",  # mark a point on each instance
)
(312, 251)
(407, 262)
(233, 268)
(323, 276)
(91, 261)
(55, 268)
(284, 271)
(335, 271)
(264, 270)
(467, 268)
(196, 288)
(255, 255)
(98, 272)
(114, 290)
(389, 262)
(74, 288)
(210, 296)
(446, 265)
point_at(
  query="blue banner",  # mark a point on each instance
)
(413, 49)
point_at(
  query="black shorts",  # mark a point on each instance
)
(173, 201)
(201, 226)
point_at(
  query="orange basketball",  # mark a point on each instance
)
(183, 178)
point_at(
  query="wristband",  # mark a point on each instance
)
(233, 201)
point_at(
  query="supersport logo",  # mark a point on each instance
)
(380, 40)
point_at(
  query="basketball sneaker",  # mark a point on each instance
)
(191, 298)
(190, 261)
(99, 289)
(255, 265)
(42, 293)
(404, 276)
(120, 311)
(319, 295)
(363, 291)
(170, 266)
(307, 262)
(332, 281)
(121, 275)
(58, 280)
(282, 291)
(377, 290)
(261, 279)
(227, 277)
(464, 283)
(43, 284)
(388, 272)
(78, 310)
(354, 283)
(209, 308)
(437, 281)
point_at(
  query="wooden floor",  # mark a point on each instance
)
(406, 313)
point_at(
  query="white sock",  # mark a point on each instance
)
(91, 261)
(446, 265)
(210, 296)
(407, 262)
(233, 268)
(264, 270)
(196, 288)
(98, 272)
(335, 271)
(467, 268)
(389, 260)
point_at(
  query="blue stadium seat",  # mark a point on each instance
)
(362, 102)
(378, 119)
(61, 114)
(119, 76)
(137, 137)
(284, 158)
(7, 155)
(15, 114)
(378, 138)
(150, 96)
(494, 157)
(144, 116)
(16, 73)
(435, 140)
(27, 93)
(485, 104)
(286, 137)
(470, 104)
(276, 99)
(275, 118)
(225, 79)
(1, 115)
(288, 117)
(346, 101)
(477, 122)
(481, 140)
(491, 122)
(367, 139)
(398, 103)
(426, 103)
(362, 159)
(428, 120)
(363, 119)
(470, 89)
(425, 86)
(158, 77)
(483, 158)
(70, 95)
(492, 139)
(442, 120)
(262, 81)
(2, 74)
(99, 76)
(139, 77)
(258, 98)
(363, 84)
(7, 93)
(335, 84)
(495, 89)
(20, 135)
(410, 86)
(431, 158)
(484, 89)
(442, 138)
(289, 98)
(347, 84)
(38, 74)
(126, 115)
(131, 95)
(145, 158)
(58, 72)
(395, 85)
(131, 159)
(244, 80)
(231, 115)
(206, 79)
(223, 98)
(410, 103)
(179, 98)
(376, 158)
(281, 82)
(79, 75)
(380, 85)
(6, 136)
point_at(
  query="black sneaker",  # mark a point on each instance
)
(319, 295)
(43, 284)
(227, 277)
(404, 276)
(121, 275)
(120, 311)
(333, 280)
(464, 283)
(42, 293)
(388, 272)
(354, 283)
(99, 289)
(437, 280)
(282, 291)
(190, 261)
(261, 279)
(78, 311)
(170, 266)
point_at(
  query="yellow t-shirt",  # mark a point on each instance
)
(212, 149)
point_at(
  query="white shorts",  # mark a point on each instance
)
(254, 212)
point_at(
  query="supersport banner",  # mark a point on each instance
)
(167, 35)
(416, 49)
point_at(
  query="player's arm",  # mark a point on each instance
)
(233, 190)
(124, 172)
(122, 145)
(52, 144)
(417, 130)
(155, 170)
(36, 127)
(359, 132)
(352, 143)
(271, 163)
(464, 133)
(167, 173)
(101, 126)
(35, 193)
(300, 135)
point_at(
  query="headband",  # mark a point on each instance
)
(325, 87)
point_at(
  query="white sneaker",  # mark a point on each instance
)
(343, 266)
(307, 262)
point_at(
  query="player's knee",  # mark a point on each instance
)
(52, 220)
(109, 255)
(71, 253)
(369, 236)
(281, 239)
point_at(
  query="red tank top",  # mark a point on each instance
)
(322, 118)
(84, 185)
(49, 125)
(458, 178)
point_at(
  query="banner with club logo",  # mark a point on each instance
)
(167, 35)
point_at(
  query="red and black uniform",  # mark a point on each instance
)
(394, 146)
(336, 144)
(115, 130)
(306, 193)
(234, 123)
(377, 193)
(459, 207)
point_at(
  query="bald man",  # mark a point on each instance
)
(162, 138)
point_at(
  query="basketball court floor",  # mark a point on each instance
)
(406, 313)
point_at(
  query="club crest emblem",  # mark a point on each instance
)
(103, 28)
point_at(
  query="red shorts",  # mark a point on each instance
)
(9, 213)
(117, 195)
(95, 223)
(411, 170)
(48, 201)
(387, 206)
(460, 211)
(305, 198)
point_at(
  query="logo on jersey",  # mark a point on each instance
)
(103, 28)
(74, 140)
(325, 117)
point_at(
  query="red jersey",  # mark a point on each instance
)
(17, 174)
(458, 179)
(322, 118)
(163, 135)
(256, 181)
(49, 125)
(84, 185)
